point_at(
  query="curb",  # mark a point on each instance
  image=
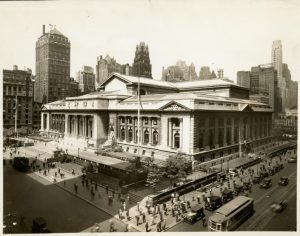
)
(93, 204)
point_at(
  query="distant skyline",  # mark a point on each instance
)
(232, 35)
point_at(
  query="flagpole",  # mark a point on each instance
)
(16, 116)
(138, 136)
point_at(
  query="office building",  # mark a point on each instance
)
(52, 66)
(204, 73)
(141, 65)
(86, 79)
(243, 79)
(179, 72)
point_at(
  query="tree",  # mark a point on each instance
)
(153, 177)
(177, 166)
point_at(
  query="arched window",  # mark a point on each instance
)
(146, 136)
(177, 140)
(130, 135)
(155, 137)
(122, 133)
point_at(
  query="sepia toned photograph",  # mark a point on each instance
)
(149, 116)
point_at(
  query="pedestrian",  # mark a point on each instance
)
(120, 214)
(106, 188)
(75, 187)
(112, 226)
(137, 220)
(144, 217)
(55, 174)
(147, 227)
(204, 221)
(138, 206)
(163, 225)
(58, 170)
(158, 226)
(198, 199)
(127, 214)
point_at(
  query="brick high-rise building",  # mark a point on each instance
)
(179, 72)
(86, 79)
(243, 78)
(52, 66)
(18, 84)
(204, 73)
(106, 66)
(141, 65)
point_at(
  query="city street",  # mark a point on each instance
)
(264, 219)
(64, 212)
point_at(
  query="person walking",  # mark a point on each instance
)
(147, 227)
(137, 220)
(138, 206)
(158, 226)
(163, 225)
(204, 221)
(127, 214)
(75, 188)
(144, 217)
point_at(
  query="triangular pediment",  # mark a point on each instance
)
(245, 107)
(174, 106)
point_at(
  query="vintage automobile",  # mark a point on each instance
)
(213, 202)
(196, 213)
(266, 183)
(232, 172)
(227, 195)
(271, 171)
(292, 160)
(238, 189)
(279, 207)
(257, 179)
(247, 186)
(264, 174)
(221, 176)
(283, 181)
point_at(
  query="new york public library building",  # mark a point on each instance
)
(204, 119)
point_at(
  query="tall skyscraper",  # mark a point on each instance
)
(213, 75)
(220, 73)
(106, 66)
(86, 79)
(204, 73)
(243, 78)
(52, 66)
(277, 64)
(141, 65)
(179, 72)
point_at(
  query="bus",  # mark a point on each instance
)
(231, 215)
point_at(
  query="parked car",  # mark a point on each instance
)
(238, 189)
(292, 160)
(227, 195)
(196, 213)
(264, 174)
(232, 172)
(256, 179)
(213, 202)
(266, 183)
(247, 186)
(221, 176)
(283, 181)
(271, 171)
(279, 207)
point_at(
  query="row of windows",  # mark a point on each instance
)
(144, 120)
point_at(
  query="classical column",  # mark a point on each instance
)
(206, 131)
(216, 134)
(169, 132)
(66, 124)
(150, 130)
(232, 130)
(181, 133)
(225, 131)
(42, 121)
(48, 121)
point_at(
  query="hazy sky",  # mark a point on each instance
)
(233, 35)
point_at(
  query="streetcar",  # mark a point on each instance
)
(231, 215)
